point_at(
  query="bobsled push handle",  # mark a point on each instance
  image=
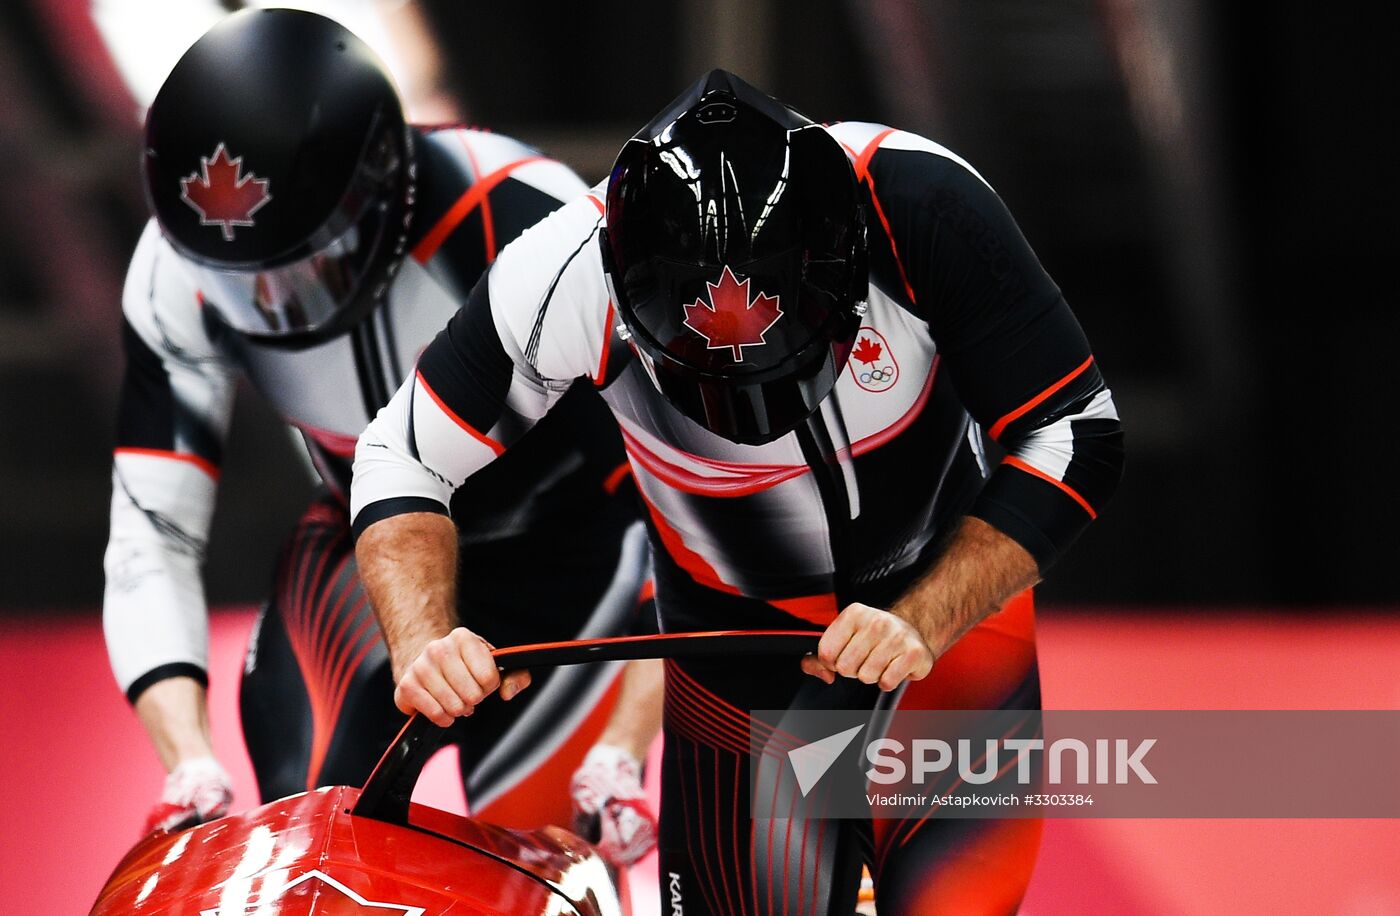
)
(387, 792)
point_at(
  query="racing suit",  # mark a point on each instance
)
(965, 339)
(548, 530)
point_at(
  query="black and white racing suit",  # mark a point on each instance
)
(550, 547)
(965, 335)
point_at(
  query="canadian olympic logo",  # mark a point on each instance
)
(878, 376)
(872, 363)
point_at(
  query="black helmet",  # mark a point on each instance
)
(735, 250)
(278, 162)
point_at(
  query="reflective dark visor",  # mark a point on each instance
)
(302, 296)
(756, 409)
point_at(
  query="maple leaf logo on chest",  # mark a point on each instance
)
(730, 321)
(220, 195)
(866, 351)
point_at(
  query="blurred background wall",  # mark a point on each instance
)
(1206, 181)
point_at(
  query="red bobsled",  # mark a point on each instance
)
(371, 852)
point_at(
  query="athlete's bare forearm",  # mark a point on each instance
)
(978, 572)
(175, 715)
(409, 567)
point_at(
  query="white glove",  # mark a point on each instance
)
(610, 807)
(196, 791)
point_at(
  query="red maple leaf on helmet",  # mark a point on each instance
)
(220, 195)
(867, 350)
(730, 320)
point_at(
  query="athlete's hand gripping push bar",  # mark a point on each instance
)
(386, 793)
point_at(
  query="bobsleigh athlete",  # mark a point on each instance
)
(306, 239)
(803, 332)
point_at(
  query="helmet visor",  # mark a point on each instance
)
(756, 409)
(302, 296)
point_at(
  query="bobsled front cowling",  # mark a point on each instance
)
(309, 855)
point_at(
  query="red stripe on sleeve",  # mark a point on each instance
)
(1034, 471)
(863, 160)
(607, 345)
(484, 439)
(460, 210)
(862, 169)
(204, 464)
(488, 223)
(999, 426)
